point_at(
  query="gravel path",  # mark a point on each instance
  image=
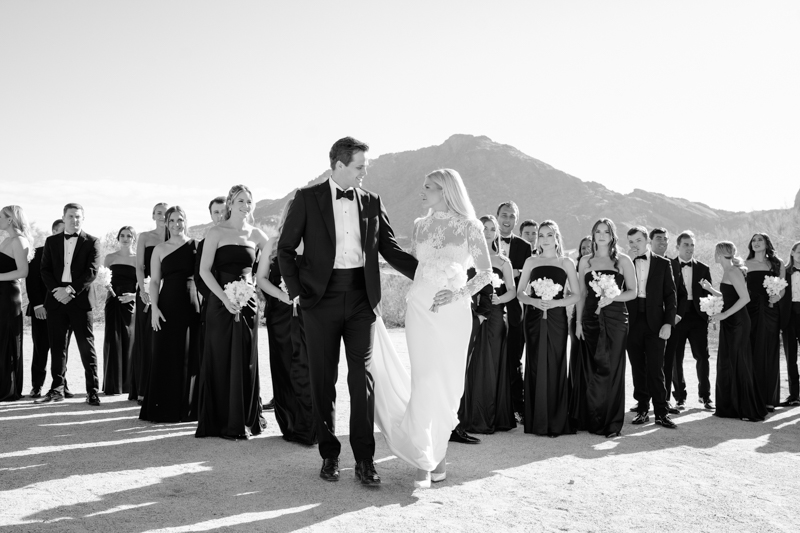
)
(70, 467)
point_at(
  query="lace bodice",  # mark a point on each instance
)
(446, 245)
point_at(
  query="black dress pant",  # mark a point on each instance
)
(60, 321)
(41, 349)
(791, 339)
(646, 354)
(343, 313)
(694, 328)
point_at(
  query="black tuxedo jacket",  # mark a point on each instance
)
(785, 305)
(310, 219)
(85, 263)
(34, 285)
(660, 306)
(519, 250)
(700, 271)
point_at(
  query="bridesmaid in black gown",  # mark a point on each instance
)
(288, 358)
(143, 328)
(15, 253)
(487, 392)
(764, 318)
(229, 404)
(546, 384)
(605, 333)
(120, 303)
(736, 391)
(577, 375)
(171, 393)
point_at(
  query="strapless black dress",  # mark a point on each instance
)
(604, 339)
(10, 334)
(229, 403)
(171, 394)
(143, 339)
(764, 338)
(546, 386)
(119, 330)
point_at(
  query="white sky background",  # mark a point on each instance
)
(119, 104)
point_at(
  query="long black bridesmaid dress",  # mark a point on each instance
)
(577, 377)
(605, 336)
(737, 394)
(288, 361)
(546, 386)
(10, 334)
(143, 339)
(764, 338)
(487, 396)
(171, 394)
(229, 403)
(119, 335)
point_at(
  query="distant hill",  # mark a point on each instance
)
(495, 172)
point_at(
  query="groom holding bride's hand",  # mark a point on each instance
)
(343, 228)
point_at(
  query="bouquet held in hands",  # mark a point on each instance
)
(239, 293)
(711, 305)
(605, 286)
(774, 286)
(456, 278)
(546, 290)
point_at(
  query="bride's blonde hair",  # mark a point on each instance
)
(20, 223)
(453, 190)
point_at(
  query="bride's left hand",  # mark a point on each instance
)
(443, 297)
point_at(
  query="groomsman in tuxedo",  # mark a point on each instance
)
(528, 230)
(690, 324)
(338, 280)
(659, 241)
(69, 266)
(36, 290)
(517, 250)
(651, 317)
(790, 325)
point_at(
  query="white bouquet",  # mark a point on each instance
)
(711, 305)
(497, 282)
(239, 292)
(285, 289)
(104, 278)
(456, 277)
(605, 286)
(774, 286)
(546, 289)
(146, 289)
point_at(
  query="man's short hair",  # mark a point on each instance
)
(527, 223)
(658, 231)
(72, 205)
(511, 204)
(637, 229)
(343, 150)
(56, 223)
(686, 234)
(217, 200)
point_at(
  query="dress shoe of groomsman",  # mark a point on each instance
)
(651, 317)
(462, 437)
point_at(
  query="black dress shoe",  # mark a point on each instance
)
(460, 436)
(93, 399)
(666, 422)
(270, 406)
(51, 396)
(330, 470)
(672, 409)
(709, 405)
(640, 418)
(36, 392)
(681, 405)
(68, 394)
(365, 471)
(790, 401)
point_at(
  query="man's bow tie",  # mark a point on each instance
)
(686, 264)
(68, 236)
(345, 194)
(643, 257)
(506, 240)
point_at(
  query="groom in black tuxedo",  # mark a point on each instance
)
(651, 317)
(69, 266)
(343, 228)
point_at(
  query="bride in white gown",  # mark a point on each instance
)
(416, 413)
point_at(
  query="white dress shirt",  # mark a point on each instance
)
(642, 273)
(69, 253)
(505, 247)
(686, 274)
(796, 286)
(349, 253)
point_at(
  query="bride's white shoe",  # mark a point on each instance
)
(440, 472)
(425, 482)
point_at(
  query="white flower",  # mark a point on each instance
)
(711, 305)
(103, 276)
(283, 286)
(497, 282)
(456, 276)
(146, 286)
(545, 288)
(774, 285)
(239, 292)
(604, 285)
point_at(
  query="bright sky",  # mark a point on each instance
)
(118, 105)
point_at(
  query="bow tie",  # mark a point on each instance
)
(345, 194)
(506, 240)
(68, 236)
(684, 265)
(642, 257)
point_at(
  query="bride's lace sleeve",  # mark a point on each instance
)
(479, 252)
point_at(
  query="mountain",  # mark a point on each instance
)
(494, 172)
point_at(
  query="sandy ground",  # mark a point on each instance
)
(71, 467)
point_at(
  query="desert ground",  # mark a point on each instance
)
(69, 467)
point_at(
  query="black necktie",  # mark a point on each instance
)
(345, 194)
(68, 236)
(506, 240)
(642, 257)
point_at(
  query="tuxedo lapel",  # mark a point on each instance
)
(323, 194)
(58, 257)
(363, 210)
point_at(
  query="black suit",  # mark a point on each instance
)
(519, 250)
(339, 304)
(790, 328)
(645, 347)
(75, 315)
(692, 327)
